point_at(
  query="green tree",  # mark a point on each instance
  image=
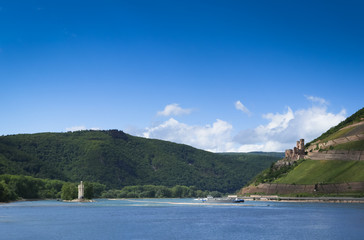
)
(69, 191)
(98, 189)
(89, 190)
(5, 193)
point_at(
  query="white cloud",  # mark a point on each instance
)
(173, 109)
(215, 137)
(317, 100)
(280, 132)
(284, 129)
(241, 107)
(79, 128)
(75, 128)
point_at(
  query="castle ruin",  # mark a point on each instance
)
(297, 152)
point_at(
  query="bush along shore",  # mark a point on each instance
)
(18, 187)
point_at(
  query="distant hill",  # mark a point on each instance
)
(244, 155)
(117, 159)
(334, 164)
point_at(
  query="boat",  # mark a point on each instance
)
(210, 199)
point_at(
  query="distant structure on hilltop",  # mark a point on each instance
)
(297, 152)
(81, 191)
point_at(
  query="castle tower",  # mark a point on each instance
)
(297, 152)
(81, 191)
(302, 145)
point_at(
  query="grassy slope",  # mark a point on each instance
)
(337, 134)
(313, 171)
(355, 146)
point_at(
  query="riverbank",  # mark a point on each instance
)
(272, 198)
(79, 200)
(304, 199)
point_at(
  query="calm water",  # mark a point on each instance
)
(180, 219)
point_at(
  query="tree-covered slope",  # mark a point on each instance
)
(118, 159)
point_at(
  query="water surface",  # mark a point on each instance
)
(180, 219)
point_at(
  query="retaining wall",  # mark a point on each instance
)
(323, 145)
(276, 188)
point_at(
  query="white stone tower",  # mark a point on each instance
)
(81, 190)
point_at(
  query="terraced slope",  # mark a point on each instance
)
(334, 161)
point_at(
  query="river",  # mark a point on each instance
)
(180, 219)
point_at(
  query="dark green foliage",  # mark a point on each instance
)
(13, 187)
(69, 191)
(31, 188)
(98, 189)
(151, 191)
(116, 159)
(6, 194)
(89, 190)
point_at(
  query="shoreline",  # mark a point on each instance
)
(258, 198)
(305, 199)
(45, 199)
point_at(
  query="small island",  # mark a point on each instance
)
(81, 195)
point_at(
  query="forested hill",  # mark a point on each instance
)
(117, 159)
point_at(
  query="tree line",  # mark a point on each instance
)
(14, 187)
(152, 191)
(117, 160)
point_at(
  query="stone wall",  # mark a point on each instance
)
(335, 142)
(345, 155)
(276, 188)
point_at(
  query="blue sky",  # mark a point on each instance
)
(217, 75)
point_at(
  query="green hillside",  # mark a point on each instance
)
(117, 159)
(324, 171)
(333, 171)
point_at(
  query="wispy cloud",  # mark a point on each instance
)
(173, 110)
(317, 100)
(80, 128)
(241, 107)
(75, 128)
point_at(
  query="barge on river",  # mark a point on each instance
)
(210, 199)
